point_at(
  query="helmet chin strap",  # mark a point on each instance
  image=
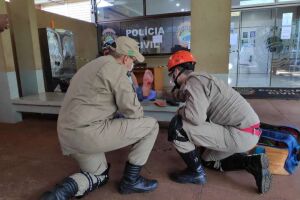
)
(177, 85)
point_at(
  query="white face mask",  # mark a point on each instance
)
(130, 79)
(171, 82)
(131, 68)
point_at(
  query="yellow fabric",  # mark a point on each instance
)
(277, 158)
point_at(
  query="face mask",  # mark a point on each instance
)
(171, 82)
(130, 80)
(175, 78)
(129, 77)
(131, 67)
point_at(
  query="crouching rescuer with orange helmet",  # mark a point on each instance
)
(216, 118)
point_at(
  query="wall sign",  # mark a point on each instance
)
(155, 36)
(286, 31)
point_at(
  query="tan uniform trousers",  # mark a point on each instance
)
(220, 141)
(140, 132)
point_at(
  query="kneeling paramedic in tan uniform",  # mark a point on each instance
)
(214, 117)
(87, 127)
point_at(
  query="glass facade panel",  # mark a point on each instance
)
(234, 41)
(248, 50)
(256, 26)
(286, 55)
(267, 53)
(154, 7)
(109, 10)
(251, 3)
(289, 1)
(238, 3)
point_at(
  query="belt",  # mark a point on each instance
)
(254, 129)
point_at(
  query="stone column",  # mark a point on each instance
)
(8, 80)
(210, 22)
(24, 24)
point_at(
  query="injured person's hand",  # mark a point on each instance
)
(160, 103)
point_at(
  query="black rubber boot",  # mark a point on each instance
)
(69, 188)
(63, 191)
(256, 164)
(194, 173)
(132, 182)
(102, 179)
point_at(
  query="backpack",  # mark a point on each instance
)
(281, 144)
(292, 130)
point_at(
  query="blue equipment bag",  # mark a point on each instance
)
(285, 129)
(283, 137)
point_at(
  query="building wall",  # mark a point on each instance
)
(210, 21)
(85, 34)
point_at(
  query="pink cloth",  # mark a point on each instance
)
(254, 129)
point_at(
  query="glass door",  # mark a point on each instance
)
(256, 26)
(234, 42)
(265, 47)
(254, 63)
(286, 55)
(234, 48)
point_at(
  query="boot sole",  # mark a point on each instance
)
(193, 182)
(262, 174)
(266, 181)
(266, 175)
(197, 182)
(130, 191)
(264, 161)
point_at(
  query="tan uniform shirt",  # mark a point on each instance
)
(206, 97)
(97, 91)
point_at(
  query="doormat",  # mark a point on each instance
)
(269, 93)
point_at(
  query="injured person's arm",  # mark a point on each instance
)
(145, 91)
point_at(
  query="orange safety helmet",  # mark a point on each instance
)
(180, 57)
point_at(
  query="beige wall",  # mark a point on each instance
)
(85, 34)
(210, 34)
(154, 61)
(23, 24)
(6, 54)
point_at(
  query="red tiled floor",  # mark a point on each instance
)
(31, 162)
